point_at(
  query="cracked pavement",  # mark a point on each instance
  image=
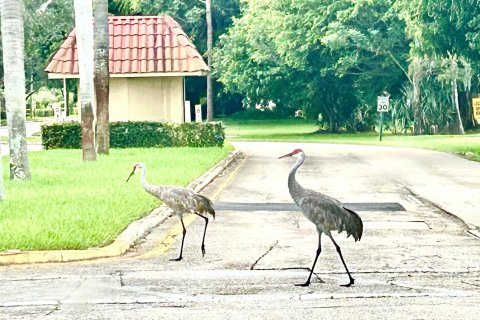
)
(417, 263)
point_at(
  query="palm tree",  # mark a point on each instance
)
(14, 80)
(84, 34)
(102, 75)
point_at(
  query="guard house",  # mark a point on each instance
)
(149, 58)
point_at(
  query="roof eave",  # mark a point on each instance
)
(52, 75)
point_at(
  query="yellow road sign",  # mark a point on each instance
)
(476, 108)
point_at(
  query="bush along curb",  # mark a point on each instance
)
(133, 134)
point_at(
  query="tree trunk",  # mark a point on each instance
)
(332, 122)
(417, 110)
(14, 81)
(102, 75)
(458, 122)
(84, 34)
(208, 10)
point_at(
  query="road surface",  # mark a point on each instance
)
(414, 261)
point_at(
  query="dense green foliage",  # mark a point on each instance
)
(335, 58)
(67, 135)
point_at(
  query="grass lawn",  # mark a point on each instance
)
(32, 139)
(70, 204)
(305, 131)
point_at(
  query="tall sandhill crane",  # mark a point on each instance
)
(325, 212)
(180, 200)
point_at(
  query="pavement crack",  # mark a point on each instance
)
(252, 267)
(54, 309)
(119, 274)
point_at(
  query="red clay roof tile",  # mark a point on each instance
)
(138, 44)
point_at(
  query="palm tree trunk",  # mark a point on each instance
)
(84, 35)
(208, 11)
(102, 76)
(417, 110)
(14, 79)
(459, 124)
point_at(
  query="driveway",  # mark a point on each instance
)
(414, 261)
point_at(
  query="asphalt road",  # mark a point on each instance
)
(415, 261)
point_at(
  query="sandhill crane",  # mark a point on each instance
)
(325, 212)
(180, 200)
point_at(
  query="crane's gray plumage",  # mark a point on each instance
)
(327, 213)
(180, 200)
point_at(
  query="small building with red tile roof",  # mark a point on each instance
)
(149, 58)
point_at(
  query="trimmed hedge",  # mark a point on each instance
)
(140, 134)
(67, 135)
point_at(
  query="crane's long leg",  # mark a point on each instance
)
(204, 232)
(352, 281)
(319, 249)
(183, 239)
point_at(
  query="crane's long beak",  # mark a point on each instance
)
(131, 174)
(284, 156)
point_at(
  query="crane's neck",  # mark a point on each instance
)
(157, 191)
(143, 179)
(293, 186)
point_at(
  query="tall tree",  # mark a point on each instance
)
(102, 75)
(84, 34)
(14, 81)
(334, 55)
(208, 13)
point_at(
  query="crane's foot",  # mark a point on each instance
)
(352, 281)
(177, 259)
(306, 284)
(203, 250)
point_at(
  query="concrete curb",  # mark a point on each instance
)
(129, 237)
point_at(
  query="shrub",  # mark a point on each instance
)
(67, 135)
(206, 134)
(140, 134)
(43, 113)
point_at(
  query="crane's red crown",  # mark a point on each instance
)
(291, 154)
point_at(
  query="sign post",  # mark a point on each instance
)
(476, 109)
(198, 113)
(383, 103)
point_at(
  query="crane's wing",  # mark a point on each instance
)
(186, 200)
(328, 214)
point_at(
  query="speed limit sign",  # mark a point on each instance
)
(383, 103)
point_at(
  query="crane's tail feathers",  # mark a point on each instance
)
(354, 225)
(209, 205)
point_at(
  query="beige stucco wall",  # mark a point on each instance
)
(146, 99)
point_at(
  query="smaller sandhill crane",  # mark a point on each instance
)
(180, 200)
(325, 212)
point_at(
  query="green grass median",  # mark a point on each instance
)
(70, 204)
